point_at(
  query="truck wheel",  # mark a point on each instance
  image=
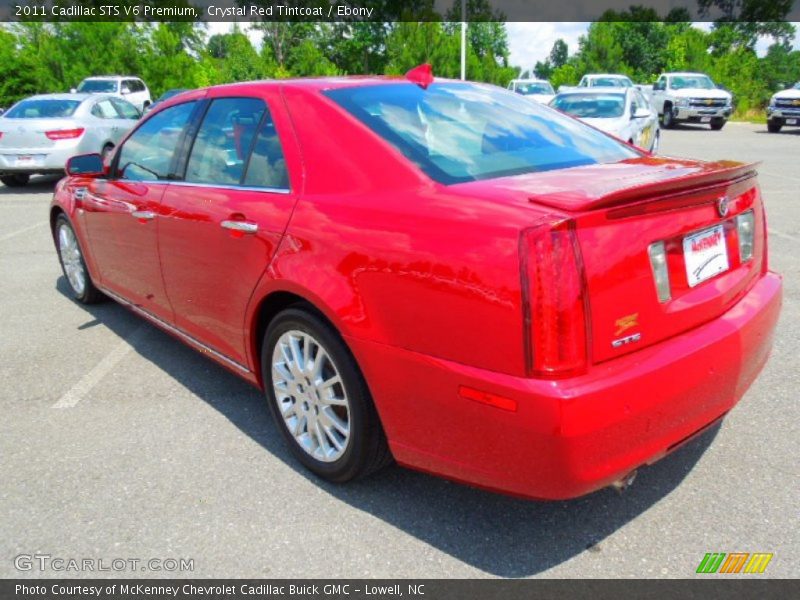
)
(717, 123)
(667, 119)
(774, 126)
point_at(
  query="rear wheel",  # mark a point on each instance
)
(717, 123)
(319, 398)
(774, 126)
(73, 265)
(16, 180)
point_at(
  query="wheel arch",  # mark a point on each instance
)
(269, 306)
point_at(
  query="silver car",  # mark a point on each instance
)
(39, 134)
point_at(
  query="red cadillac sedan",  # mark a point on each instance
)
(433, 272)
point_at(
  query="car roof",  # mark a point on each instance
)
(110, 77)
(684, 73)
(616, 75)
(81, 97)
(530, 80)
(596, 90)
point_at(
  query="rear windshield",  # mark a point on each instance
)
(43, 109)
(460, 132)
(591, 106)
(98, 85)
(533, 88)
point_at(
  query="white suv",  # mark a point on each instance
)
(132, 89)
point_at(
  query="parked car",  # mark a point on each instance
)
(784, 109)
(623, 112)
(130, 88)
(39, 134)
(605, 80)
(692, 98)
(165, 96)
(535, 89)
(436, 271)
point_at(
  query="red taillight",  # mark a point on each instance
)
(64, 134)
(555, 306)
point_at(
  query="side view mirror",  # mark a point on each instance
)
(125, 91)
(87, 165)
(73, 90)
(642, 113)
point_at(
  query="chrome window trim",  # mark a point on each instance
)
(174, 330)
(209, 185)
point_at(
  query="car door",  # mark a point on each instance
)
(224, 221)
(109, 126)
(120, 212)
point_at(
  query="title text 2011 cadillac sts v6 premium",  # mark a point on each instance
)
(435, 272)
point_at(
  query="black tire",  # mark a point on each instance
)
(106, 151)
(717, 123)
(774, 126)
(17, 180)
(366, 450)
(667, 119)
(89, 294)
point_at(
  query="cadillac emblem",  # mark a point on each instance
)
(722, 206)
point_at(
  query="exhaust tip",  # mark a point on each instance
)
(624, 483)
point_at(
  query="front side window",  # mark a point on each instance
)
(147, 155)
(463, 132)
(223, 142)
(95, 86)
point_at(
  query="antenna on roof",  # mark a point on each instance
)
(421, 75)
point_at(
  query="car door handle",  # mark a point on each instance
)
(241, 226)
(143, 215)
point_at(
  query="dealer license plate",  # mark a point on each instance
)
(705, 254)
(791, 121)
(705, 119)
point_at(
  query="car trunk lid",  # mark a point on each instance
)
(31, 134)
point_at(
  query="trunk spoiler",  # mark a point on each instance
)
(628, 182)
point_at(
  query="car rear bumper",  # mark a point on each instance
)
(570, 437)
(42, 160)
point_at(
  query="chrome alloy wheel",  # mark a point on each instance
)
(311, 396)
(71, 258)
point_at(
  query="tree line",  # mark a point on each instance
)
(52, 57)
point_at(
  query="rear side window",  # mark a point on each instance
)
(223, 142)
(267, 166)
(147, 155)
(125, 109)
(458, 132)
(105, 110)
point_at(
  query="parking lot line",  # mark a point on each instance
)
(14, 234)
(76, 393)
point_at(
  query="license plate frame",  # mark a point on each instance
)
(705, 119)
(791, 121)
(705, 254)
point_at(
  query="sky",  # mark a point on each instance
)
(529, 42)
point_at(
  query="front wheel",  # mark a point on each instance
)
(319, 398)
(16, 180)
(73, 265)
(774, 126)
(667, 119)
(717, 123)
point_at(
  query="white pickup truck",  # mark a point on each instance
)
(784, 109)
(691, 98)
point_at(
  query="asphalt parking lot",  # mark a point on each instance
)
(117, 441)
